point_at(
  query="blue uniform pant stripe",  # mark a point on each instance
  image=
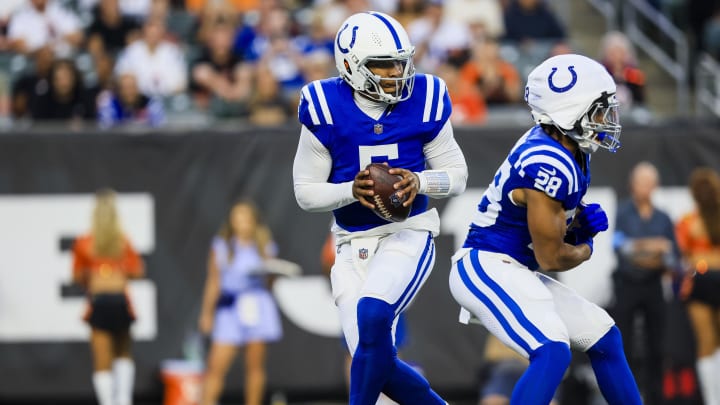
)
(419, 281)
(417, 276)
(489, 304)
(506, 299)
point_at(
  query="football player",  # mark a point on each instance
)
(378, 110)
(533, 217)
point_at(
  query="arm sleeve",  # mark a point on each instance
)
(447, 171)
(311, 170)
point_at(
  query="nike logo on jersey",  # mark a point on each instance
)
(551, 173)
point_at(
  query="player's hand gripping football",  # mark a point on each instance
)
(408, 186)
(362, 188)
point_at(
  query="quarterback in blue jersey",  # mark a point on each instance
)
(533, 217)
(378, 110)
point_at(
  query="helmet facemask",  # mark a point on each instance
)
(599, 126)
(403, 84)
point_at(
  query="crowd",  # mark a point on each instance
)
(255, 63)
(149, 62)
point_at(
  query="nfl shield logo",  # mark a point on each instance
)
(378, 128)
(363, 253)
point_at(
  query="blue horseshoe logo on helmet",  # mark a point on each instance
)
(566, 88)
(352, 41)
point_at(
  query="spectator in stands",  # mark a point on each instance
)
(158, 65)
(698, 235)
(137, 10)
(532, 20)
(237, 306)
(318, 65)
(645, 246)
(496, 79)
(483, 17)
(253, 27)
(198, 7)
(316, 38)
(45, 23)
(7, 8)
(618, 57)
(66, 98)
(268, 107)
(438, 40)
(468, 104)
(102, 78)
(214, 13)
(334, 12)
(32, 84)
(221, 83)
(408, 11)
(275, 49)
(103, 263)
(125, 105)
(110, 31)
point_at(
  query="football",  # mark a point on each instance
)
(388, 205)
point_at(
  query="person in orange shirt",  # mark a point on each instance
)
(496, 79)
(103, 262)
(241, 6)
(698, 235)
(468, 104)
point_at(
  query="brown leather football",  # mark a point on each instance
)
(388, 205)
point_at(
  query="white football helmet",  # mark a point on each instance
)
(576, 95)
(373, 38)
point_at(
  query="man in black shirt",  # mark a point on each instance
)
(644, 242)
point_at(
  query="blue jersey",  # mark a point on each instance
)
(537, 161)
(355, 140)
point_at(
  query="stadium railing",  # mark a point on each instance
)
(650, 30)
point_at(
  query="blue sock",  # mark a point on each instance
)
(542, 377)
(407, 386)
(612, 372)
(375, 356)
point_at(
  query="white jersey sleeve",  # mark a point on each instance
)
(311, 170)
(447, 173)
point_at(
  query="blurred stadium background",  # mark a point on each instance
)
(180, 137)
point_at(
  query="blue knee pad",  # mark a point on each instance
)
(542, 377)
(374, 358)
(612, 372)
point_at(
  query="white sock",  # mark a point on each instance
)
(707, 376)
(385, 400)
(716, 375)
(103, 383)
(124, 373)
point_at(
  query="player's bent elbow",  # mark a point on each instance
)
(307, 202)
